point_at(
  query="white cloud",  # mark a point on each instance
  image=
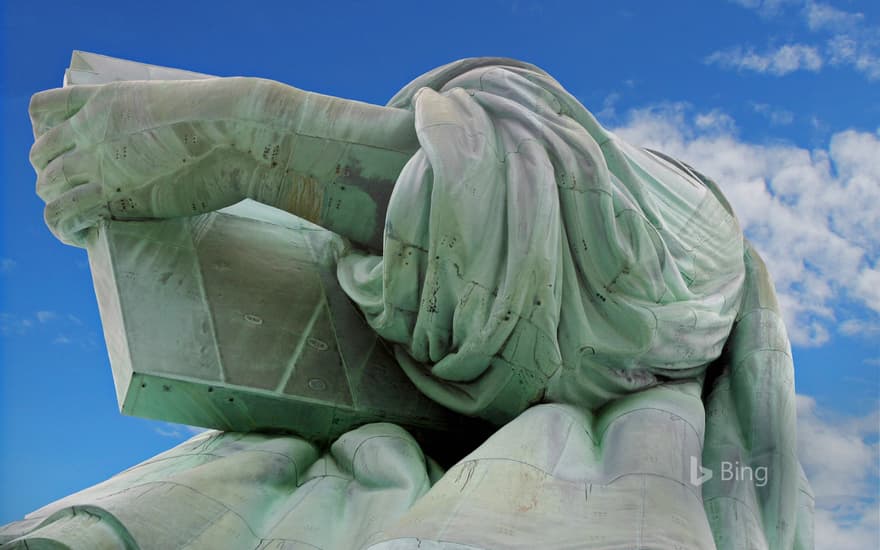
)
(715, 121)
(823, 16)
(811, 213)
(173, 433)
(608, 111)
(862, 55)
(766, 8)
(41, 322)
(859, 327)
(835, 451)
(12, 325)
(856, 156)
(850, 43)
(841, 458)
(780, 61)
(834, 532)
(777, 116)
(46, 316)
(178, 431)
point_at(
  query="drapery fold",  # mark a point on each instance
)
(530, 254)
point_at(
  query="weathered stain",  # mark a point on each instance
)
(306, 198)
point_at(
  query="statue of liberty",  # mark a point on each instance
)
(595, 304)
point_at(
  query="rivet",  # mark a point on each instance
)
(253, 319)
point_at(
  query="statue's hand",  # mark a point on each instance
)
(156, 149)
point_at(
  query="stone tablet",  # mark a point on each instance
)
(235, 320)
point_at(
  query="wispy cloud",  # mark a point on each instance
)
(859, 327)
(842, 39)
(777, 116)
(766, 8)
(841, 458)
(7, 265)
(46, 316)
(178, 431)
(715, 121)
(846, 50)
(826, 17)
(809, 212)
(609, 104)
(13, 325)
(68, 328)
(779, 61)
(168, 432)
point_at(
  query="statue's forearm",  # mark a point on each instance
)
(163, 149)
(337, 163)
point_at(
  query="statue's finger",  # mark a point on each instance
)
(64, 173)
(45, 105)
(52, 107)
(51, 145)
(72, 213)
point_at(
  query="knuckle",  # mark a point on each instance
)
(37, 101)
(45, 183)
(47, 101)
(34, 154)
(32, 110)
(41, 185)
(51, 214)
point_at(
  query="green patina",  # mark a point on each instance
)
(573, 327)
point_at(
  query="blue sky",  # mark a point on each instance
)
(777, 100)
